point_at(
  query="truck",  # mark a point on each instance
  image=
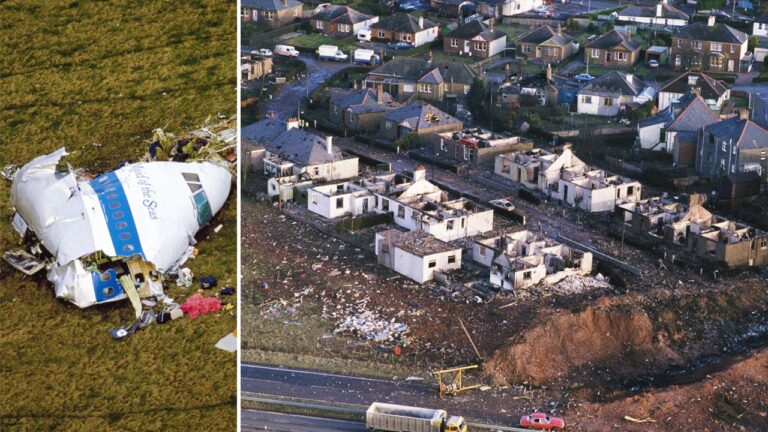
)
(399, 418)
(365, 56)
(331, 52)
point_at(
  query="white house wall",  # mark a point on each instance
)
(497, 46)
(425, 36)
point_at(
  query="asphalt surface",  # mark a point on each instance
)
(286, 103)
(493, 406)
(252, 420)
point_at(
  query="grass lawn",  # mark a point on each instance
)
(311, 41)
(444, 56)
(76, 73)
(513, 31)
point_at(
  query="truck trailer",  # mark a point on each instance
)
(399, 418)
(365, 56)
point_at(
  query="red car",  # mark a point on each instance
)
(542, 421)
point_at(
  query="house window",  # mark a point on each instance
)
(715, 46)
(696, 45)
(482, 251)
(344, 28)
(451, 259)
(466, 89)
(733, 49)
(586, 99)
(406, 37)
(314, 199)
(723, 147)
(339, 203)
(454, 43)
(319, 25)
(449, 225)
(679, 43)
(716, 62)
(678, 60)
(481, 46)
(385, 204)
(466, 152)
(270, 15)
(432, 264)
(425, 88)
(595, 53)
(526, 49)
(401, 211)
(316, 171)
(244, 12)
(382, 33)
(387, 124)
(608, 102)
(443, 147)
(621, 56)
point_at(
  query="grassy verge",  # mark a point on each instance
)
(310, 42)
(78, 73)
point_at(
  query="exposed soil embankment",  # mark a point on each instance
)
(633, 342)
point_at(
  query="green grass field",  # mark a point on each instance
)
(74, 73)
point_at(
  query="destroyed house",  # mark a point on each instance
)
(476, 146)
(418, 118)
(567, 178)
(416, 254)
(695, 231)
(523, 259)
(416, 204)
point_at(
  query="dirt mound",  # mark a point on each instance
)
(614, 336)
(733, 399)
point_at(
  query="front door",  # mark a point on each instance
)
(466, 47)
(730, 65)
(607, 56)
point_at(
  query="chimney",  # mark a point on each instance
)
(354, 85)
(559, 29)
(549, 72)
(490, 23)
(420, 173)
(421, 21)
(292, 123)
(743, 114)
(629, 33)
(658, 10)
(629, 77)
(711, 21)
(429, 56)
(380, 93)
(329, 144)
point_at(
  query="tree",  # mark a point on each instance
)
(476, 97)
(752, 43)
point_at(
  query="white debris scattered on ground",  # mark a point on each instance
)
(580, 284)
(358, 320)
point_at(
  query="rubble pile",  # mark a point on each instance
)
(366, 324)
(579, 284)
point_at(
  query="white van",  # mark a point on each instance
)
(364, 35)
(286, 50)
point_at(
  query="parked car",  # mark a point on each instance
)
(262, 52)
(653, 64)
(585, 77)
(502, 204)
(286, 50)
(542, 421)
(400, 46)
(540, 8)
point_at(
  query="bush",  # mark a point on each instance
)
(408, 142)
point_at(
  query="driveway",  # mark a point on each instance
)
(286, 102)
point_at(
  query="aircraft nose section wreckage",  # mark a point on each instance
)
(114, 236)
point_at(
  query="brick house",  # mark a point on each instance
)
(614, 48)
(709, 46)
(406, 77)
(417, 117)
(273, 13)
(340, 21)
(360, 110)
(475, 38)
(545, 45)
(401, 27)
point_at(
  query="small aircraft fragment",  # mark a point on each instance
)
(114, 236)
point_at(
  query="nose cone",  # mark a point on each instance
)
(217, 183)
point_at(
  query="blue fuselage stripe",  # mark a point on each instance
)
(117, 213)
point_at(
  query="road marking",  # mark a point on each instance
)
(325, 374)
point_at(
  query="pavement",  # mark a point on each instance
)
(287, 102)
(253, 420)
(497, 405)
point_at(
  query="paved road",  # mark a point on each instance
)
(495, 406)
(252, 420)
(286, 103)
